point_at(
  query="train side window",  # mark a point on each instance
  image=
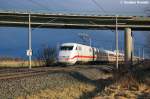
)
(66, 48)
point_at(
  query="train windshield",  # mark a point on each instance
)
(66, 47)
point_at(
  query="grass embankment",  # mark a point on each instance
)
(18, 63)
(131, 84)
(71, 91)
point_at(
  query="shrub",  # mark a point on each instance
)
(47, 56)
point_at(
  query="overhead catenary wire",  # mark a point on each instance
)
(116, 42)
(43, 6)
(45, 23)
(39, 4)
(101, 9)
(99, 6)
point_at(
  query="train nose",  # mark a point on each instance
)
(63, 58)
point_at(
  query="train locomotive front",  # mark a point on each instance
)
(66, 53)
(71, 53)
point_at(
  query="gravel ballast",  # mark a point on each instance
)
(30, 85)
(58, 81)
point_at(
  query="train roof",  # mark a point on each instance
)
(102, 50)
(69, 44)
(110, 52)
(107, 51)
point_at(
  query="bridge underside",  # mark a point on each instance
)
(39, 20)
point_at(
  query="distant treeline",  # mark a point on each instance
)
(9, 58)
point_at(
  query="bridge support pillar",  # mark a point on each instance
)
(128, 46)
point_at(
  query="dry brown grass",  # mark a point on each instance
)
(116, 91)
(69, 92)
(129, 84)
(18, 63)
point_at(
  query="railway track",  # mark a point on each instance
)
(22, 73)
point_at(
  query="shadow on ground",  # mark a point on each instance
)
(143, 75)
(100, 84)
(144, 96)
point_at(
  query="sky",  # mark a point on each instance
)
(76, 6)
(13, 41)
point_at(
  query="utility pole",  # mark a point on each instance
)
(57, 48)
(139, 52)
(132, 50)
(143, 52)
(117, 41)
(29, 51)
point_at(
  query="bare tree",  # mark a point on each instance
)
(46, 56)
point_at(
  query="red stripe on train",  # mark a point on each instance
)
(77, 56)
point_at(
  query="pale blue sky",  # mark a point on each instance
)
(84, 6)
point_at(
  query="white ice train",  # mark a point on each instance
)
(71, 53)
